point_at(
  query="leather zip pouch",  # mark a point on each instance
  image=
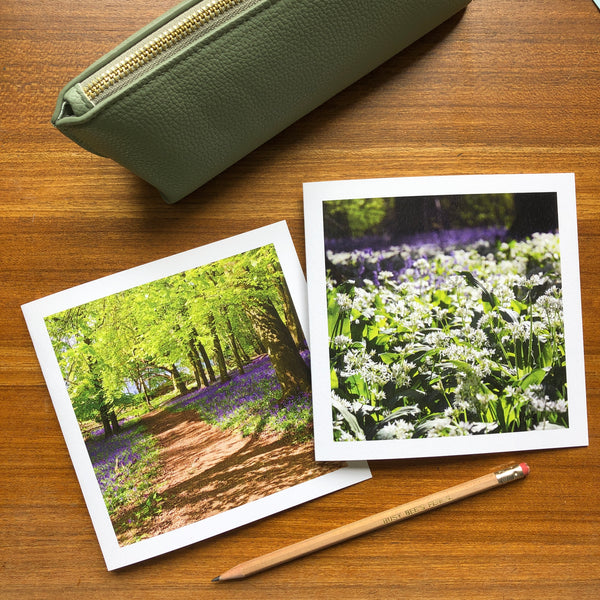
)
(211, 80)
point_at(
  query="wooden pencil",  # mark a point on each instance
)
(388, 517)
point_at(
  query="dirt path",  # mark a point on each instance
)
(206, 471)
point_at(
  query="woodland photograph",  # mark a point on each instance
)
(192, 392)
(445, 316)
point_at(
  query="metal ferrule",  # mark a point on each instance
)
(510, 474)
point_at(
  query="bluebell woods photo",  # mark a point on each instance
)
(445, 316)
(192, 392)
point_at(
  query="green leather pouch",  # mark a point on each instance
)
(210, 80)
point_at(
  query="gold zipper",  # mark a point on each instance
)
(156, 45)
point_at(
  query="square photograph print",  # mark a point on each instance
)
(183, 389)
(445, 315)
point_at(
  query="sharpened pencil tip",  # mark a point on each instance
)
(216, 579)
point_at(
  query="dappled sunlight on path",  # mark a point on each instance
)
(206, 470)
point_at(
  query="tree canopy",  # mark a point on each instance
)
(197, 325)
(395, 218)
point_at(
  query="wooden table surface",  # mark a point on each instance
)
(506, 87)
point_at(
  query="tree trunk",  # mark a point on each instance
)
(246, 336)
(108, 432)
(290, 369)
(291, 316)
(140, 384)
(259, 347)
(140, 381)
(114, 422)
(234, 346)
(243, 354)
(203, 353)
(219, 356)
(178, 382)
(534, 213)
(197, 365)
(146, 394)
(211, 372)
(99, 394)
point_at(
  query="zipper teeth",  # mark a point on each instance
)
(162, 42)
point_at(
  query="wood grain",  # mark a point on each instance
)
(503, 88)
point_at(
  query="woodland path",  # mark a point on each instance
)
(206, 470)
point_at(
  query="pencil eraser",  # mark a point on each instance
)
(525, 468)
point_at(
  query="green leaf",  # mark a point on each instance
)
(349, 418)
(371, 332)
(501, 415)
(518, 306)
(509, 315)
(486, 295)
(441, 297)
(389, 357)
(459, 365)
(546, 354)
(536, 377)
(357, 330)
(334, 380)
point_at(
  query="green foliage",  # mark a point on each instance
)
(151, 507)
(127, 469)
(252, 403)
(134, 339)
(360, 217)
(477, 210)
(476, 347)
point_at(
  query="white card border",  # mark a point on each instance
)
(316, 193)
(117, 556)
